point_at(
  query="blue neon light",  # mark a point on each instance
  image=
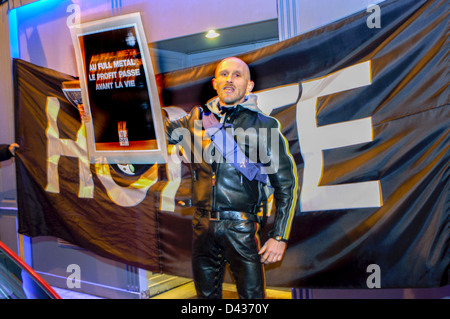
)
(39, 11)
(13, 34)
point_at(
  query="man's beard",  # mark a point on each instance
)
(231, 100)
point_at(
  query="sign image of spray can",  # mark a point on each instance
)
(123, 133)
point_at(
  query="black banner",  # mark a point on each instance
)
(365, 111)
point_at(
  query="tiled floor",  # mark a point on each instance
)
(70, 294)
(186, 291)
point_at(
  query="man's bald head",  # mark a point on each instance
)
(237, 60)
(232, 81)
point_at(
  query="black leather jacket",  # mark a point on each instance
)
(219, 186)
(4, 152)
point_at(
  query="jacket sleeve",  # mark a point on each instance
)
(177, 129)
(282, 174)
(4, 152)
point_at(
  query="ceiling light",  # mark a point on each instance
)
(211, 34)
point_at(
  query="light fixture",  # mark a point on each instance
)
(211, 34)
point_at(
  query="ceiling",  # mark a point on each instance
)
(234, 36)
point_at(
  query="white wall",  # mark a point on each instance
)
(7, 176)
(44, 36)
(317, 13)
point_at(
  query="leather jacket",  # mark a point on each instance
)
(217, 185)
(5, 154)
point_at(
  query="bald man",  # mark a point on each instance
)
(228, 203)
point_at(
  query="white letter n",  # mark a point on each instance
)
(313, 139)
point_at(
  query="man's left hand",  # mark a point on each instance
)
(272, 251)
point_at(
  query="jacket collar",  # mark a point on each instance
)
(250, 103)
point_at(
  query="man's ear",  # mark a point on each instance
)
(214, 83)
(250, 86)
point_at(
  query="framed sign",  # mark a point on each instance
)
(119, 93)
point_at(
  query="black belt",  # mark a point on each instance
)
(228, 214)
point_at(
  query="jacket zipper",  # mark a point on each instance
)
(214, 173)
(214, 188)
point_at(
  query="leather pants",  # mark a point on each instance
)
(234, 241)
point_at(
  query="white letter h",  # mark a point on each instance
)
(57, 147)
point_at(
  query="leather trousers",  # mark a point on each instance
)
(217, 242)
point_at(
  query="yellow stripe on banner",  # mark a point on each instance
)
(294, 189)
